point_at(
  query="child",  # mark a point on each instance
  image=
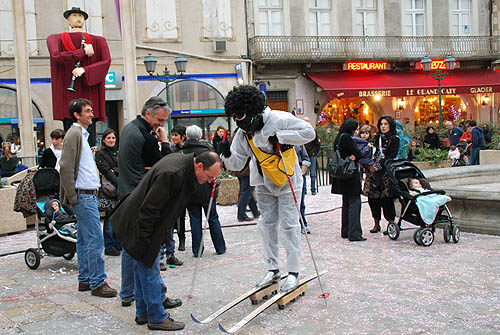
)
(454, 154)
(412, 149)
(53, 212)
(365, 147)
(428, 205)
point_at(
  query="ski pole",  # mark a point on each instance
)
(324, 294)
(200, 250)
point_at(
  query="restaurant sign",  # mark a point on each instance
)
(397, 92)
(367, 66)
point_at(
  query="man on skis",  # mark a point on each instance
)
(261, 132)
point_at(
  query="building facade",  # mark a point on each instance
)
(208, 33)
(333, 59)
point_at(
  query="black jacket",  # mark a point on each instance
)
(346, 145)
(203, 191)
(432, 140)
(106, 160)
(8, 167)
(138, 150)
(144, 218)
(48, 159)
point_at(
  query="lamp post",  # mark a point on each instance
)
(449, 62)
(180, 63)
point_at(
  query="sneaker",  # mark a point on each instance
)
(269, 278)
(172, 260)
(290, 283)
(163, 267)
(167, 324)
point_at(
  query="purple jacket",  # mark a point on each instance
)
(366, 152)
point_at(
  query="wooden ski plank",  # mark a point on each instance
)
(265, 306)
(231, 304)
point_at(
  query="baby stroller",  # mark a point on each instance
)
(400, 171)
(462, 148)
(51, 239)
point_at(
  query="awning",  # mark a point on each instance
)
(394, 84)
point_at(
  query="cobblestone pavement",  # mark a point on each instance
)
(376, 287)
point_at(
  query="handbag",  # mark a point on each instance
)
(105, 204)
(108, 188)
(341, 168)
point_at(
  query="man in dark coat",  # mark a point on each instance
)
(65, 51)
(144, 219)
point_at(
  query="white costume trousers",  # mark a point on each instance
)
(279, 211)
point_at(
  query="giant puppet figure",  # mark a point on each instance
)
(79, 63)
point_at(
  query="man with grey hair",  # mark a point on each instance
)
(201, 198)
(453, 133)
(139, 150)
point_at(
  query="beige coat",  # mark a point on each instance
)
(70, 162)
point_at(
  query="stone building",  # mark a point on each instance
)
(208, 33)
(332, 59)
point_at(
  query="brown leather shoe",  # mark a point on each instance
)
(167, 324)
(83, 287)
(141, 320)
(104, 291)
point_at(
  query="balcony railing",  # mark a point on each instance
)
(281, 49)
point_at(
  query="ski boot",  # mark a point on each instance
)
(290, 283)
(269, 278)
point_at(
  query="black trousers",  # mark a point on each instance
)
(387, 204)
(351, 209)
(181, 226)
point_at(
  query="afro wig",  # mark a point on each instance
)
(245, 99)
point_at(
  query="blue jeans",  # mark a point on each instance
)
(302, 203)
(150, 291)
(168, 247)
(127, 288)
(474, 156)
(312, 171)
(111, 243)
(246, 198)
(89, 242)
(213, 223)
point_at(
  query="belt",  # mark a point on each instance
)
(87, 191)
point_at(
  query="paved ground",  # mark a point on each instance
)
(377, 287)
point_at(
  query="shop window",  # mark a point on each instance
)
(270, 17)
(337, 110)
(427, 110)
(93, 24)
(7, 44)
(190, 94)
(161, 19)
(217, 19)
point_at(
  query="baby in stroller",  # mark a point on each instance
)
(54, 213)
(428, 204)
(457, 154)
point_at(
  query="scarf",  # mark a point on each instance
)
(68, 44)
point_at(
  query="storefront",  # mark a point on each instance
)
(368, 93)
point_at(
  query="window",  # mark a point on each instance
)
(217, 19)
(319, 17)
(460, 18)
(161, 19)
(7, 44)
(93, 24)
(414, 18)
(270, 17)
(365, 20)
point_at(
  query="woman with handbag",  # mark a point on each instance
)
(349, 185)
(107, 163)
(378, 187)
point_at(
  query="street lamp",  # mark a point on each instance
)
(180, 63)
(449, 62)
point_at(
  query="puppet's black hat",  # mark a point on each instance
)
(75, 10)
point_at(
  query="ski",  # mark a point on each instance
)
(266, 305)
(231, 304)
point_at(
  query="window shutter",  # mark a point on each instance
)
(217, 18)
(161, 19)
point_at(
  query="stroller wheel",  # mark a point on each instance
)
(69, 256)
(455, 233)
(426, 237)
(416, 236)
(32, 258)
(447, 233)
(393, 231)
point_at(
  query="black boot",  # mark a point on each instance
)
(182, 245)
(376, 227)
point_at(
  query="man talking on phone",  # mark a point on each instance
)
(143, 142)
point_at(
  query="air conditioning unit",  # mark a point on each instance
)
(220, 46)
